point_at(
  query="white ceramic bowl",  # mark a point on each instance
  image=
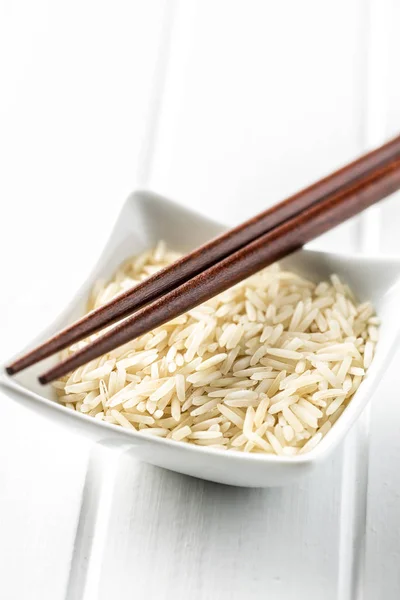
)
(144, 220)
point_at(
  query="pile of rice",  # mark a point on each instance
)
(267, 366)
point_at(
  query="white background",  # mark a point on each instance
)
(226, 106)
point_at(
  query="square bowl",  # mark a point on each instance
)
(146, 218)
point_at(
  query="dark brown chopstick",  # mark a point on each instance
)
(209, 254)
(266, 249)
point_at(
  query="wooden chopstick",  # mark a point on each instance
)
(210, 253)
(266, 249)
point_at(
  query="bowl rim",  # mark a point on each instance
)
(313, 456)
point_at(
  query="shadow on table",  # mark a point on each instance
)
(171, 536)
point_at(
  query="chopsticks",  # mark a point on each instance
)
(228, 259)
(266, 249)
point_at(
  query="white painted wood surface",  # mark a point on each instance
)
(243, 78)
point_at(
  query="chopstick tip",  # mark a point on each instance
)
(10, 370)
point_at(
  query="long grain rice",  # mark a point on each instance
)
(267, 366)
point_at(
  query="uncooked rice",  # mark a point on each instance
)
(268, 366)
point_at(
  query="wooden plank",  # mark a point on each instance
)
(382, 575)
(250, 91)
(42, 470)
(76, 81)
(171, 536)
(383, 539)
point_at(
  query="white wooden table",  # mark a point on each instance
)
(81, 522)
